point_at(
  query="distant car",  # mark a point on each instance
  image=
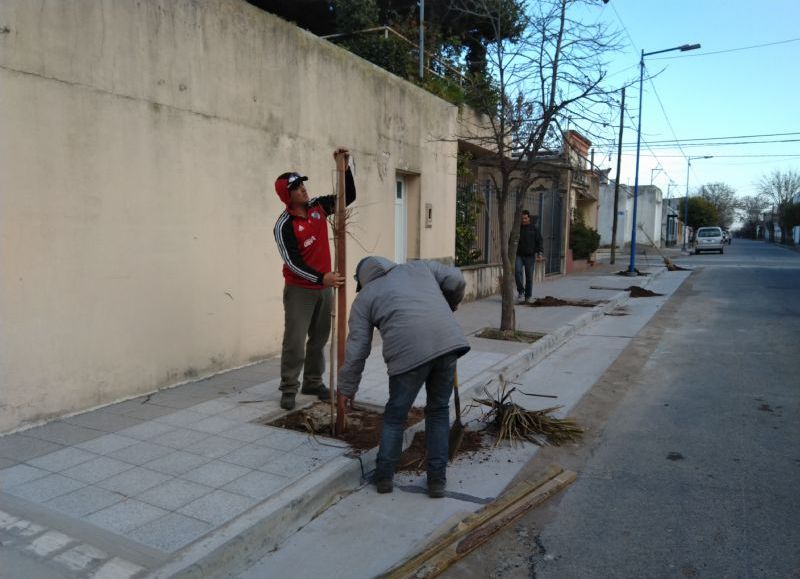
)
(709, 239)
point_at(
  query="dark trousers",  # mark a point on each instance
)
(437, 375)
(524, 264)
(307, 325)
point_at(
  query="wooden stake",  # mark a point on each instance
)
(341, 268)
(332, 363)
(341, 258)
(464, 529)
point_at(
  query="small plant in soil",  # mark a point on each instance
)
(513, 423)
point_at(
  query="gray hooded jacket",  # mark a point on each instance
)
(412, 306)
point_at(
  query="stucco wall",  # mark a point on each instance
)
(139, 146)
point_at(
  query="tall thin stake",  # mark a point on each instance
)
(341, 268)
(332, 365)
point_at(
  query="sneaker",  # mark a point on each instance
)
(322, 392)
(436, 488)
(384, 485)
(287, 401)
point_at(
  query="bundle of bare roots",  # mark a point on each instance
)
(513, 423)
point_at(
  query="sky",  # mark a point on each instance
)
(747, 92)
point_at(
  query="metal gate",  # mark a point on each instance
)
(551, 210)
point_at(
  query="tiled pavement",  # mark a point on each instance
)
(118, 490)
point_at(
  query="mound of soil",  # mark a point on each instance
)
(550, 301)
(640, 292)
(363, 425)
(515, 336)
(413, 458)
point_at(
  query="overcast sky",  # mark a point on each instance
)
(744, 92)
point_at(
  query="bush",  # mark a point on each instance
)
(583, 240)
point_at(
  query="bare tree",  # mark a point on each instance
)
(545, 65)
(750, 209)
(723, 197)
(780, 189)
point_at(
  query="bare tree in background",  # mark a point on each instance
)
(750, 209)
(779, 188)
(545, 67)
(723, 197)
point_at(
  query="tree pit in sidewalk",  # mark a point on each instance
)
(509, 335)
(414, 457)
(363, 424)
(552, 302)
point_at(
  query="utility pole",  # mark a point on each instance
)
(421, 39)
(616, 182)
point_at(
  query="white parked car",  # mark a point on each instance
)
(709, 239)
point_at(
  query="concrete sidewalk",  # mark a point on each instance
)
(181, 482)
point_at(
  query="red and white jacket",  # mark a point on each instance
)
(303, 241)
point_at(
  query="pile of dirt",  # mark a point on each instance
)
(672, 267)
(550, 301)
(413, 458)
(640, 292)
(363, 425)
(509, 336)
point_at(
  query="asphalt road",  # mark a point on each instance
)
(691, 462)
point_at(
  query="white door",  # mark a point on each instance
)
(400, 220)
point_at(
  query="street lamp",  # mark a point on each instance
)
(686, 201)
(682, 48)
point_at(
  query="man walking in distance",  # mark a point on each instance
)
(412, 306)
(529, 246)
(301, 233)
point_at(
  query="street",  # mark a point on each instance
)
(691, 463)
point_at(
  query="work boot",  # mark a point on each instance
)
(322, 392)
(436, 488)
(384, 485)
(287, 401)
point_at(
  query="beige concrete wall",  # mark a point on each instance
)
(139, 144)
(482, 281)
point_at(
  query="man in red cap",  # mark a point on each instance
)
(301, 233)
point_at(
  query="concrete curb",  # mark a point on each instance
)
(268, 524)
(517, 364)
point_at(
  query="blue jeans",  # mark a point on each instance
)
(437, 375)
(524, 263)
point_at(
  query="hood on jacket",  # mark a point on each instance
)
(371, 268)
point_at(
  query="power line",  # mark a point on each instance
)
(725, 138)
(653, 153)
(716, 156)
(720, 144)
(751, 47)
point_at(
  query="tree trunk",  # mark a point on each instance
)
(508, 321)
(786, 232)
